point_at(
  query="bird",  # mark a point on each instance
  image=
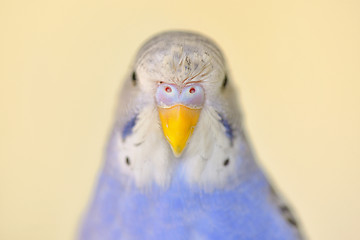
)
(178, 163)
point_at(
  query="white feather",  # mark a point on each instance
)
(151, 159)
(147, 151)
(207, 152)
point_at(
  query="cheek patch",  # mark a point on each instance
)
(193, 96)
(167, 95)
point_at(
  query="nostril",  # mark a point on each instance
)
(192, 90)
(168, 89)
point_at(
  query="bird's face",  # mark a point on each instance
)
(181, 79)
(177, 108)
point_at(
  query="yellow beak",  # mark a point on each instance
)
(178, 123)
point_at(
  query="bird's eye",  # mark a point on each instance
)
(166, 95)
(168, 89)
(193, 95)
(134, 78)
(225, 81)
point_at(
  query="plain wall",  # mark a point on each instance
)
(296, 64)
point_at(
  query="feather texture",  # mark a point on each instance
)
(215, 190)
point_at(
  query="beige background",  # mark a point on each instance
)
(296, 63)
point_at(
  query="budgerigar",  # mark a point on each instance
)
(178, 164)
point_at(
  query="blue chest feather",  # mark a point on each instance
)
(183, 212)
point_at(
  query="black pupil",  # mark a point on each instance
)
(225, 81)
(134, 78)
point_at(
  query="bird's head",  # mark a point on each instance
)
(181, 79)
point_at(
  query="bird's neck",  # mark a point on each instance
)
(214, 158)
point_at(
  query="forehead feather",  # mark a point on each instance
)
(181, 56)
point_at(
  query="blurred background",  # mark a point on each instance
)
(295, 63)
